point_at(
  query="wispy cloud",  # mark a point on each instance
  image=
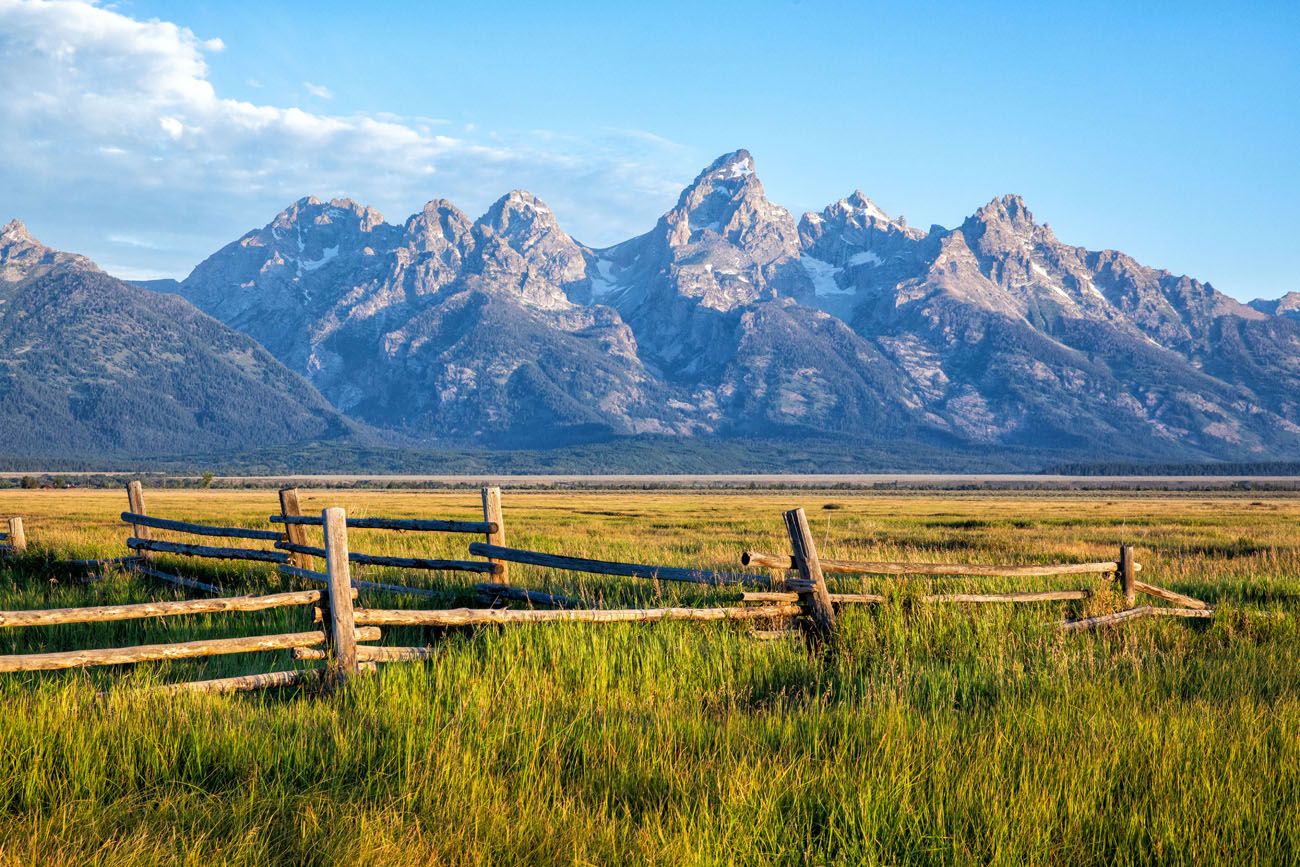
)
(319, 91)
(106, 114)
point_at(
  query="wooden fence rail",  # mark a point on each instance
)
(610, 567)
(176, 650)
(409, 524)
(494, 616)
(142, 610)
(207, 551)
(499, 592)
(786, 561)
(975, 598)
(1131, 614)
(424, 563)
(201, 529)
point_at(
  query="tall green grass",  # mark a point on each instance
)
(923, 734)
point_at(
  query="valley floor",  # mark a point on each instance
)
(925, 735)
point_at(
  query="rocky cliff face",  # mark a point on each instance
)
(729, 317)
(92, 366)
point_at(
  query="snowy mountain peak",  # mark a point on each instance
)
(737, 164)
(859, 203)
(730, 177)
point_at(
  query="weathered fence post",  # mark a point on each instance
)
(340, 623)
(492, 515)
(295, 533)
(135, 502)
(818, 619)
(1127, 575)
(17, 538)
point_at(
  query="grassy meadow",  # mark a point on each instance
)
(923, 734)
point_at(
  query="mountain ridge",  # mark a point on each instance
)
(731, 318)
(90, 365)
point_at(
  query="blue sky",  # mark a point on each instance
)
(147, 134)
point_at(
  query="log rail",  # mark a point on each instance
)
(610, 567)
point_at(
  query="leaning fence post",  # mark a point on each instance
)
(1127, 575)
(492, 515)
(17, 538)
(295, 533)
(135, 502)
(340, 623)
(818, 615)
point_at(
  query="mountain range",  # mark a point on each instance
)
(729, 319)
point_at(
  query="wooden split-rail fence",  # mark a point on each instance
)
(794, 589)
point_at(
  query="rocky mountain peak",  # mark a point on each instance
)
(853, 213)
(311, 211)
(519, 215)
(14, 232)
(438, 224)
(729, 167)
(1009, 210)
(433, 247)
(22, 256)
(726, 181)
(519, 244)
(726, 203)
(858, 203)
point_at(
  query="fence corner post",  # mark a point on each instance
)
(340, 623)
(818, 619)
(1127, 575)
(296, 534)
(17, 536)
(492, 515)
(135, 502)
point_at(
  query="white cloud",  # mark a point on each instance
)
(113, 122)
(319, 91)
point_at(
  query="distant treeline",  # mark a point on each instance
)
(627, 455)
(1242, 468)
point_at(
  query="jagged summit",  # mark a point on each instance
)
(858, 202)
(15, 230)
(1009, 210)
(311, 210)
(519, 212)
(520, 247)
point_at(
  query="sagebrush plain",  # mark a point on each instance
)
(923, 734)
